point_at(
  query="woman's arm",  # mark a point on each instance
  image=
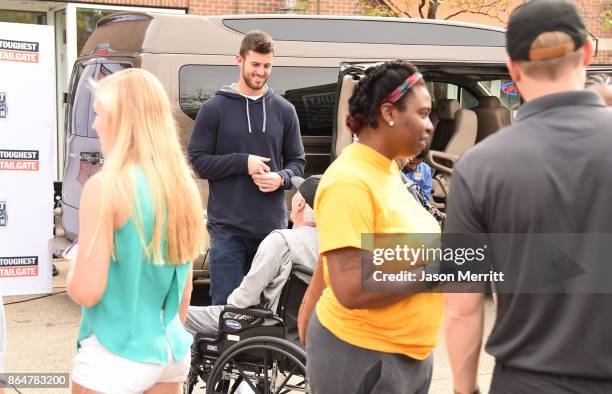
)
(186, 299)
(345, 274)
(88, 276)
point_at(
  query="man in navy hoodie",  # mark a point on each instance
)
(246, 142)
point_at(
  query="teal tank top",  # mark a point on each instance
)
(137, 316)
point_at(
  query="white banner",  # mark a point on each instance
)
(27, 126)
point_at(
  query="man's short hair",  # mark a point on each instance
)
(546, 37)
(256, 41)
(555, 67)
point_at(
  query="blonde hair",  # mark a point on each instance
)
(552, 69)
(142, 133)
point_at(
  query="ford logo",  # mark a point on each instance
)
(233, 324)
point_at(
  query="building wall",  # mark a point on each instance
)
(591, 8)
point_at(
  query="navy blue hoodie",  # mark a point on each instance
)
(227, 129)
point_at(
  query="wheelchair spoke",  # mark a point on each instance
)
(236, 384)
(243, 374)
(265, 372)
(277, 391)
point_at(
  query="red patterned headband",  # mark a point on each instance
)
(401, 90)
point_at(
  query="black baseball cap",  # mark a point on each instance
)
(307, 187)
(535, 17)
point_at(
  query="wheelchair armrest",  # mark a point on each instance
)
(257, 312)
(432, 157)
(303, 270)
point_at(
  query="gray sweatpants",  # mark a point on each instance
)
(335, 366)
(203, 319)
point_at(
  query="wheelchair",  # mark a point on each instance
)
(255, 347)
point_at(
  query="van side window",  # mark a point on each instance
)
(504, 89)
(312, 90)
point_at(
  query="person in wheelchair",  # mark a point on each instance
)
(419, 172)
(277, 253)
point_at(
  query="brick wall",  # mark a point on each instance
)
(142, 3)
(592, 10)
(325, 7)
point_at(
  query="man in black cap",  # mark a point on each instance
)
(272, 263)
(532, 177)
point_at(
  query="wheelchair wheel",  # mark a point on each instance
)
(266, 365)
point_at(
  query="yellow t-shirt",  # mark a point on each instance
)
(362, 192)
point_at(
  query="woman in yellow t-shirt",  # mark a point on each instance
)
(373, 341)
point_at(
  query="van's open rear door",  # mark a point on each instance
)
(350, 74)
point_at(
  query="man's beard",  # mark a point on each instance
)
(252, 85)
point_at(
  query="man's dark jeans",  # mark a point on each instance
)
(230, 259)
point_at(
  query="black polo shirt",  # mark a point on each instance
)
(549, 172)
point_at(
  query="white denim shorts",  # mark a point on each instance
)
(96, 368)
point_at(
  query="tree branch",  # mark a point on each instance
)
(455, 14)
(394, 8)
(421, 8)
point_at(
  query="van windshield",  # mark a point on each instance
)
(82, 116)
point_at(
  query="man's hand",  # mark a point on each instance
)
(257, 165)
(268, 182)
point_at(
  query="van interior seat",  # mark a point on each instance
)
(344, 136)
(463, 138)
(491, 115)
(445, 127)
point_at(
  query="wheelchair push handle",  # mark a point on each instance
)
(256, 312)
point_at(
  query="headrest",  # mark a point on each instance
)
(447, 109)
(489, 102)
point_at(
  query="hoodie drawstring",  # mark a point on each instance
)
(263, 130)
(248, 116)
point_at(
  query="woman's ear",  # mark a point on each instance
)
(387, 112)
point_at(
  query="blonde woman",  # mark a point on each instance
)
(140, 228)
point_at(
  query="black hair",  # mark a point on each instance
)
(372, 89)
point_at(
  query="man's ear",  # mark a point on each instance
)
(587, 52)
(514, 69)
(239, 60)
(387, 111)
